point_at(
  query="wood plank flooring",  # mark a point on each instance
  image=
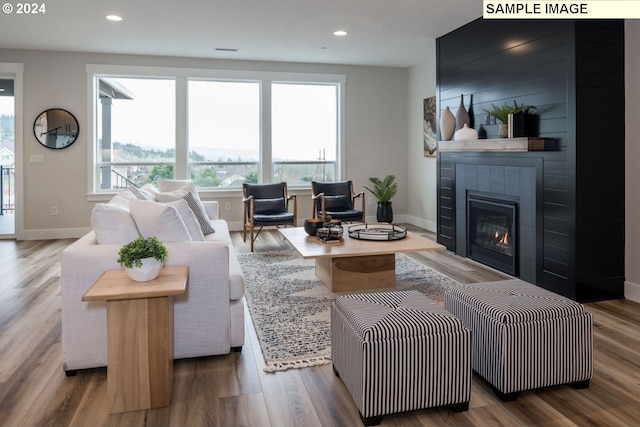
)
(232, 390)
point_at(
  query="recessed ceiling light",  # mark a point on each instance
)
(226, 49)
(340, 33)
(114, 18)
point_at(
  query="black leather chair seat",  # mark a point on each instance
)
(273, 219)
(347, 215)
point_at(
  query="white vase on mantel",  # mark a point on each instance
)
(149, 270)
(447, 124)
(465, 133)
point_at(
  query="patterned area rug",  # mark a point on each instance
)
(290, 306)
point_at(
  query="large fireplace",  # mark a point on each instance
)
(492, 233)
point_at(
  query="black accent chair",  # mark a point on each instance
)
(266, 205)
(337, 200)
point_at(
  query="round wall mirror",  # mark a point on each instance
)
(56, 128)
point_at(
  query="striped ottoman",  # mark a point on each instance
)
(524, 337)
(399, 351)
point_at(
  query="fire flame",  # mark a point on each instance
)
(503, 241)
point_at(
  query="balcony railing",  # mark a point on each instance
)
(7, 193)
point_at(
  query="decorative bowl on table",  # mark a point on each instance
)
(312, 225)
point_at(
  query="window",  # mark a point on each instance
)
(135, 131)
(304, 126)
(219, 128)
(224, 132)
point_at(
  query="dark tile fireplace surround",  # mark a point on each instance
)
(509, 181)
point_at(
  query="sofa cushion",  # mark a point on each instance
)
(189, 194)
(189, 219)
(122, 198)
(113, 224)
(160, 220)
(146, 192)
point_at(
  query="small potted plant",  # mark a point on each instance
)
(143, 258)
(384, 190)
(502, 113)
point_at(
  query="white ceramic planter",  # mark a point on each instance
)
(150, 270)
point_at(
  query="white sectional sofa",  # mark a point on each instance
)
(208, 318)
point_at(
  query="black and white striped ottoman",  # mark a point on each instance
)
(524, 337)
(399, 351)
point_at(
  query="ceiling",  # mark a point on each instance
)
(380, 32)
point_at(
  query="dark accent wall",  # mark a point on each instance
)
(573, 71)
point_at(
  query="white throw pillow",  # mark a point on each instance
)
(168, 185)
(189, 219)
(113, 224)
(122, 198)
(159, 220)
(194, 203)
(146, 192)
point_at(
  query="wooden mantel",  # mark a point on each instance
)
(500, 144)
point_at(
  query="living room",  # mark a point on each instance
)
(384, 133)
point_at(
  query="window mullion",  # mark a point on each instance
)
(266, 166)
(181, 169)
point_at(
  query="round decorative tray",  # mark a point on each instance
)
(382, 232)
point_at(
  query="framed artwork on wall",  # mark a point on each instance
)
(429, 126)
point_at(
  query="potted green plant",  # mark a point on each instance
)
(502, 113)
(143, 258)
(383, 190)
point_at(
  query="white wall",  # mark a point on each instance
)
(376, 133)
(632, 155)
(422, 205)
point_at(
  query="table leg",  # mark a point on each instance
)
(139, 353)
(358, 272)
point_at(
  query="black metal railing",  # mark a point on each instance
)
(7, 182)
(122, 181)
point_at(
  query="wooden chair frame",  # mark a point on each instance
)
(248, 209)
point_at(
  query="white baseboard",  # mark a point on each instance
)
(422, 223)
(54, 233)
(632, 291)
(234, 225)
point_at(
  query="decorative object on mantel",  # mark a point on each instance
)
(381, 232)
(465, 133)
(502, 113)
(447, 124)
(143, 258)
(429, 127)
(462, 117)
(384, 190)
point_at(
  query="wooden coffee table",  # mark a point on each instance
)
(139, 336)
(356, 264)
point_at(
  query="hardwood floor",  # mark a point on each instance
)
(232, 390)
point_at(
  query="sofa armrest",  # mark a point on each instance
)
(199, 314)
(211, 208)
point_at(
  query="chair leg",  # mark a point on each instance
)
(252, 238)
(244, 232)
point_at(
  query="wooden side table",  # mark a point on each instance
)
(139, 336)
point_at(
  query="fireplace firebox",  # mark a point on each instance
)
(492, 233)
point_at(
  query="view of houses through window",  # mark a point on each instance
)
(7, 158)
(225, 141)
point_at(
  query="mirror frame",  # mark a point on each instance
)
(52, 138)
